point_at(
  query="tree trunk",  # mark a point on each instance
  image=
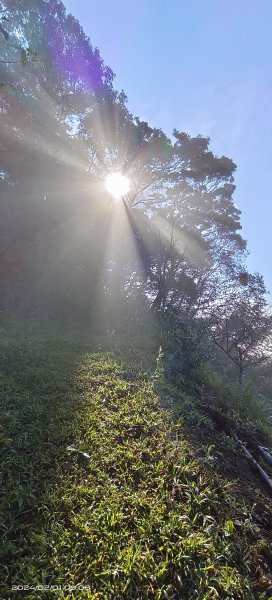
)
(241, 368)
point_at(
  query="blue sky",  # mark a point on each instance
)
(200, 66)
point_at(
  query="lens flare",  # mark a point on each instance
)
(117, 184)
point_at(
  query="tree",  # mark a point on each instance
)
(11, 42)
(43, 163)
(185, 193)
(242, 328)
(64, 127)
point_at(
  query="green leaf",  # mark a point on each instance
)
(229, 527)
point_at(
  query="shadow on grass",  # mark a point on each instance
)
(41, 408)
(39, 405)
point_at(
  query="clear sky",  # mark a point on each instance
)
(200, 66)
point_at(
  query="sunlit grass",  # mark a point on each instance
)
(146, 516)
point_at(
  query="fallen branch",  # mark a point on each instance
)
(266, 454)
(255, 465)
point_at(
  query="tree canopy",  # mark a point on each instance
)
(173, 244)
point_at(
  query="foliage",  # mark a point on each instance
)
(262, 376)
(12, 43)
(146, 516)
(184, 346)
(173, 249)
(244, 405)
(64, 128)
(242, 326)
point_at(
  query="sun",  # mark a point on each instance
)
(117, 184)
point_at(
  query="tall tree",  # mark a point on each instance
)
(64, 128)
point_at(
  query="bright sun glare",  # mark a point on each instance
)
(117, 184)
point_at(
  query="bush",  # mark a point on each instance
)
(184, 345)
(243, 401)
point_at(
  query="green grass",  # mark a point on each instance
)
(243, 404)
(149, 515)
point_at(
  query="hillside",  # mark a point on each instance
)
(116, 484)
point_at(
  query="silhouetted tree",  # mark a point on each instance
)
(174, 245)
(242, 327)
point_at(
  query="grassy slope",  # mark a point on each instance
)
(154, 513)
